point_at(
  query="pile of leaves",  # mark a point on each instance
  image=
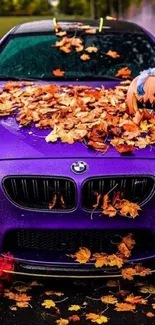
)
(115, 206)
(119, 259)
(98, 118)
(57, 307)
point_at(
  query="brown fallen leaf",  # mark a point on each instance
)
(150, 288)
(150, 314)
(124, 73)
(113, 54)
(91, 49)
(129, 208)
(58, 73)
(125, 148)
(22, 304)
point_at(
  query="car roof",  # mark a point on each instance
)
(43, 26)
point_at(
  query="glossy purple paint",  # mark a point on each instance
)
(25, 151)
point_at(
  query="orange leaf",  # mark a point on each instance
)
(82, 256)
(98, 197)
(62, 321)
(150, 314)
(96, 318)
(142, 271)
(22, 304)
(91, 49)
(128, 273)
(109, 300)
(129, 208)
(129, 241)
(110, 211)
(113, 54)
(52, 204)
(124, 249)
(85, 57)
(124, 73)
(136, 300)
(79, 48)
(123, 306)
(66, 48)
(58, 73)
(124, 148)
(74, 318)
(105, 201)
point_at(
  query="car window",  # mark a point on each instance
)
(36, 56)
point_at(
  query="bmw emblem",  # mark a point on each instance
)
(79, 167)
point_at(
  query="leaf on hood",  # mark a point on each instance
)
(82, 256)
(124, 148)
(102, 259)
(128, 273)
(53, 293)
(96, 318)
(110, 211)
(22, 304)
(123, 306)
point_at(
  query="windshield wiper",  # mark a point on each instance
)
(74, 78)
(10, 78)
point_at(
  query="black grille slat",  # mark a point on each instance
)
(37, 192)
(68, 241)
(135, 189)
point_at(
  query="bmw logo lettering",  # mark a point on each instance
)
(79, 167)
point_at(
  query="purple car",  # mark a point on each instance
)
(32, 169)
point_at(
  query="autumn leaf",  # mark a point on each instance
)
(22, 304)
(153, 306)
(129, 241)
(53, 293)
(22, 288)
(110, 211)
(128, 273)
(13, 308)
(58, 73)
(113, 54)
(62, 321)
(82, 256)
(124, 249)
(85, 57)
(129, 208)
(112, 283)
(74, 308)
(124, 148)
(74, 318)
(35, 284)
(123, 306)
(103, 259)
(105, 203)
(52, 204)
(150, 288)
(142, 271)
(91, 49)
(79, 48)
(98, 197)
(66, 49)
(96, 318)
(22, 297)
(109, 300)
(48, 303)
(136, 300)
(124, 73)
(150, 314)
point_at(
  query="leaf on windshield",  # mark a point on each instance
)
(91, 49)
(58, 73)
(113, 54)
(124, 73)
(85, 57)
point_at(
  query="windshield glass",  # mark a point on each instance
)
(36, 56)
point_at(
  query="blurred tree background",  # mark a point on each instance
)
(87, 8)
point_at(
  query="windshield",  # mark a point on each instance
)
(36, 56)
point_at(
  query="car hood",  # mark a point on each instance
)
(23, 143)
